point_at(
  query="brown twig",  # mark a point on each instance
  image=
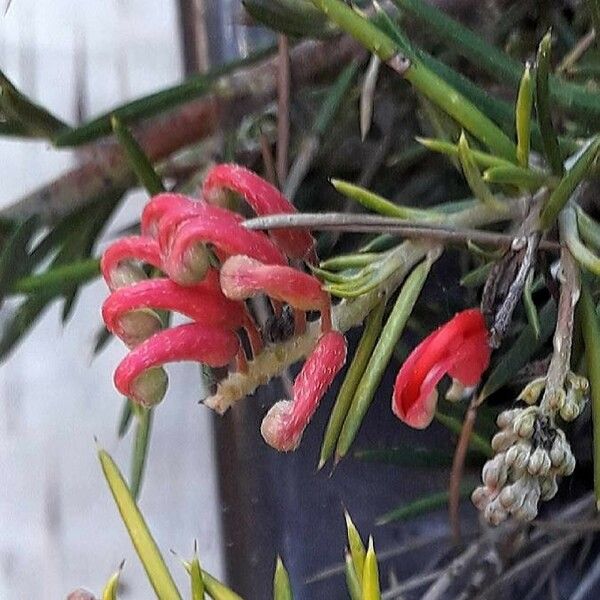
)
(458, 465)
(267, 158)
(390, 225)
(236, 95)
(563, 334)
(283, 108)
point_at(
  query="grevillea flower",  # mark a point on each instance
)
(459, 348)
(182, 237)
(284, 424)
(264, 199)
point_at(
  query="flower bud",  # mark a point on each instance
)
(531, 392)
(525, 422)
(495, 472)
(556, 400)
(539, 463)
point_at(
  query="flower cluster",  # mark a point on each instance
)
(532, 451)
(211, 265)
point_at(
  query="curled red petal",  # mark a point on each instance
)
(225, 233)
(284, 424)
(163, 205)
(460, 348)
(243, 277)
(132, 248)
(213, 346)
(264, 199)
(201, 302)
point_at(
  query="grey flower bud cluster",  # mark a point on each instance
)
(531, 453)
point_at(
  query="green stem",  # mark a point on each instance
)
(591, 338)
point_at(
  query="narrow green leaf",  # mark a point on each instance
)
(368, 34)
(336, 94)
(58, 280)
(349, 261)
(422, 78)
(523, 117)
(112, 586)
(154, 104)
(216, 590)
(422, 505)
(37, 121)
(353, 376)
(296, 18)
(370, 580)
(522, 350)
(101, 339)
(474, 178)
(282, 589)
(477, 277)
(197, 581)
(482, 159)
(594, 8)
(591, 338)
(126, 418)
(356, 547)
(477, 442)
(381, 356)
(574, 98)
(158, 574)
(573, 177)
(352, 583)
(582, 254)
(14, 258)
(527, 179)
(530, 308)
(141, 446)
(381, 205)
(589, 229)
(542, 100)
(139, 162)
(20, 321)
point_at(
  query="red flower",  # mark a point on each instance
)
(459, 348)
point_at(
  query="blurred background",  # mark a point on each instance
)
(58, 525)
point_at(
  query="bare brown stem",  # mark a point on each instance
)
(390, 225)
(563, 334)
(235, 95)
(283, 108)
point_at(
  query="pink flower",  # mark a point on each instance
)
(182, 238)
(284, 424)
(459, 348)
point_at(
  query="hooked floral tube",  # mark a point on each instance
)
(243, 277)
(213, 346)
(265, 199)
(284, 424)
(459, 348)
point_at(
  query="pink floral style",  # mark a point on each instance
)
(459, 348)
(184, 238)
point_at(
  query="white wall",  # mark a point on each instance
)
(58, 526)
